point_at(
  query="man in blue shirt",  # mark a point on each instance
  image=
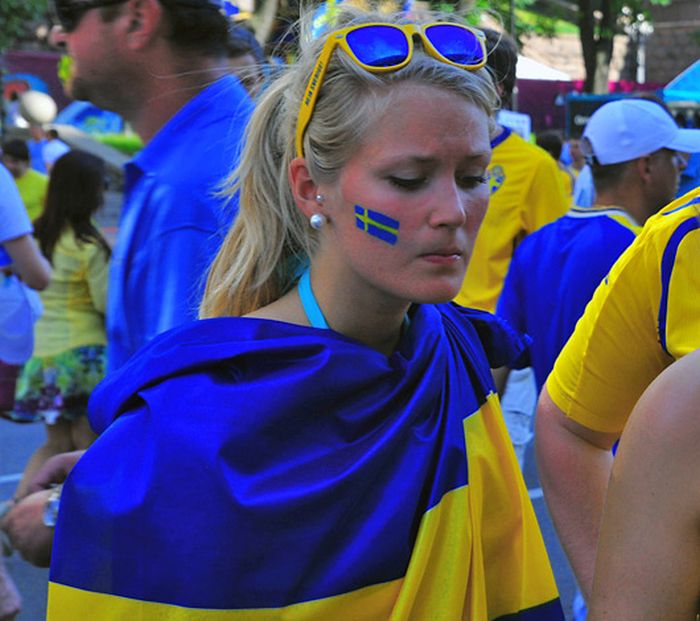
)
(162, 66)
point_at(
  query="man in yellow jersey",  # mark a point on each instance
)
(556, 270)
(643, 316)
(526, 191)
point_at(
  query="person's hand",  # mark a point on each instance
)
(54, 471)
(24, 524)
(10, 601)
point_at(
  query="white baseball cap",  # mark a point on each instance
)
(626, 129)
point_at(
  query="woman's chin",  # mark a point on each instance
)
(438, 296)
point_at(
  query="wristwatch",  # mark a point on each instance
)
(51, 507)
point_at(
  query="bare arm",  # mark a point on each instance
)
(54, 471)
(500, 378)
(648, 564)
(574, 464)
(28, 263)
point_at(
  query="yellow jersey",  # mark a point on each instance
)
(527, 192)
(643, 316)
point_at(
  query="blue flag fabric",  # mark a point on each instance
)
(263, 470)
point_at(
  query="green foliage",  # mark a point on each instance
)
(549, 25)
(16, 16)
(527, 17)
(129, 144)
(65, 66)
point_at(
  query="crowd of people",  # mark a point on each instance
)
(277, 395)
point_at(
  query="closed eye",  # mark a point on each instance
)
(469, 182)
(408, 184)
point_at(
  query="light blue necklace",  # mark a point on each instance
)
(313, 311)
(308, 300)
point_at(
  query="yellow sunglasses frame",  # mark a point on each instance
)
(338, 38)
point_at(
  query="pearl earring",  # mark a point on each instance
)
(317, 221)
(319, 198)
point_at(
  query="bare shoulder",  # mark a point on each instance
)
(287, 309)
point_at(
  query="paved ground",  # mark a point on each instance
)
(18, 441)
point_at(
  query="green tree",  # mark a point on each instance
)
(523, 17)
(15, 18)
(599, 21)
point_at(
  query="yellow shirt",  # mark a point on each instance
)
(32, 188)
(642, 317)
(74, 301)
(526, 193)
(567, 179)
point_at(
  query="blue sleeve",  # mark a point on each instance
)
(503, 346)
(158, 274)
(178, 272)
(14, 221)
(511, 302)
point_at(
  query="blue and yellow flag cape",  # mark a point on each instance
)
(251, 469)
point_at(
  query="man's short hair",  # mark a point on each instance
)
(551, 142)
(502, 58)
(242, 41)
(202, 29)
(16, 148)
(196, 26)
(609, 176)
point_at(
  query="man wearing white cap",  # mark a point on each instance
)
(643, 316)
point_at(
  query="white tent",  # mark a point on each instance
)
(528, 69)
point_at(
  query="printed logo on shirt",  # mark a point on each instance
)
(498, 176)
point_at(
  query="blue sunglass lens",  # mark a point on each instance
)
(456, 44)
(378, 46)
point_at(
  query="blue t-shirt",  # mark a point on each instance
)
(14, 221)
(172, 222)
(554, 273)
(36, 155)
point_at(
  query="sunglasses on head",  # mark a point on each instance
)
(379, 48)
(70, 13)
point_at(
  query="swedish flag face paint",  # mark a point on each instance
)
(377, 224)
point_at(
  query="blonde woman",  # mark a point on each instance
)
(327, 444)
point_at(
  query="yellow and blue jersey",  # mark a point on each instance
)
(252, 469)
(642, 317)
(527, 192)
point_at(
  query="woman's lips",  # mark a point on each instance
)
(443, 257)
